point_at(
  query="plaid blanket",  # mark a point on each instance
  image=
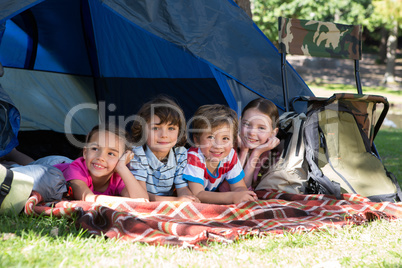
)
(188, 224)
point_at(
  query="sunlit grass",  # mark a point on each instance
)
(376, 244)
(352, 88)
(389, 145)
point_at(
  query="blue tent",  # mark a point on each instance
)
(70, 62)
(9, 123)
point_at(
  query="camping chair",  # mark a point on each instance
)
(347, 121)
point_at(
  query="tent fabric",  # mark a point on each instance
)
(71, 94)
(232, 51)
(120, 54)
(9, 123)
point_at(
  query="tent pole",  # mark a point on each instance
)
(357, 77)
(284, 81)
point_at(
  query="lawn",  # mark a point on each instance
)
(373, 245)
(389, 146)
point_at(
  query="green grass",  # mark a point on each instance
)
(374, 245)
(352, 88)
(389, 146)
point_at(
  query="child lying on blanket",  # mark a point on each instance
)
(159, 154)
(101, 174)
(213, 160)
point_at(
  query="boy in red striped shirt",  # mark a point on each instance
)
(212, 158)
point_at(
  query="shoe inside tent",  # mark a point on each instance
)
(70, 63)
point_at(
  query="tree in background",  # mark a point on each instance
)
(245, 5)
(371, 14)
(390, 14)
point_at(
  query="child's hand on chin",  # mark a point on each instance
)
(244, 196)
(125, 159)
(269, 145)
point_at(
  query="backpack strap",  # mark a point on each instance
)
(5, 187)
(318, 183)
(287, 128)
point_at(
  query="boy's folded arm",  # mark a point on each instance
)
(242, 194)
(219, 197)
(239, 186)
(185, 193)
(183, 198)
(154, 197)
(216, 197)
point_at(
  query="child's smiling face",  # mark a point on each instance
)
(102, 153)
(161, 137)
(215, 144)
(256, 128)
